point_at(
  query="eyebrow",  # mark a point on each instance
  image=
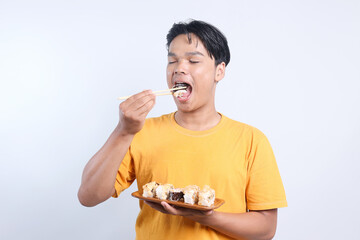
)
(171, 54)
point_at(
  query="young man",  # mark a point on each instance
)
(195, 145)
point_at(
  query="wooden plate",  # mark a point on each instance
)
(218, 202)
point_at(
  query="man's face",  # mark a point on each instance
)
(190, 63)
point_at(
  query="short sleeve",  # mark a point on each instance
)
(125, 175)
(264, 188)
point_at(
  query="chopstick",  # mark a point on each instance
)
(167, 90)
(157, 93)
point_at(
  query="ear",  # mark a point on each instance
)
(219, 72)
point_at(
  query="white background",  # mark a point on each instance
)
(294, 74)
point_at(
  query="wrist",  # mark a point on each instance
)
(121, 133)
(207, 219)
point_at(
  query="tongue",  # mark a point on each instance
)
(185, 94)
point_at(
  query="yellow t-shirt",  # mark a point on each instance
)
(233, 158)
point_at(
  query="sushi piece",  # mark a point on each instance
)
(162, 191)
(206, 196)
(191, 194)
(184, 91)
(179, 93)
(176, 195)
(149, 189)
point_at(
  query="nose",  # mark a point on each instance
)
(180, 68)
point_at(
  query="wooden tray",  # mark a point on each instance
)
(218, 202)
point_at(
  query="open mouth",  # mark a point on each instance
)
(184, 93)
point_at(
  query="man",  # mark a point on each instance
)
(195, 145)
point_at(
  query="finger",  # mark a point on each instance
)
(143, 111)
(147, 108)
(140, 102)
(169, 208)
(185, 211)
(139, 95)
(141, 105)
(156, 206)
(207, 213)
(135, 97)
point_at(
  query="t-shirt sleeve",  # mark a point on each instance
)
(264, 188)
(125, 175)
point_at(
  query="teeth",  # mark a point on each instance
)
(179, 85)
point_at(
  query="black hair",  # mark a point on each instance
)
(213, 40)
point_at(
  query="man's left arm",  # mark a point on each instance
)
(254, 225)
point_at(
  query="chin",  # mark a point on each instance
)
(182, 108)
(185, 108)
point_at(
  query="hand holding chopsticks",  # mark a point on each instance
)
(158, 93)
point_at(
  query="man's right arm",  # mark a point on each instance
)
(99, 175)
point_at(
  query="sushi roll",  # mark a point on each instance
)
(179, 93)
(191, 194)
(185, 89)
(149, 189)
(176, 195)
(162, 191)
(206, 196)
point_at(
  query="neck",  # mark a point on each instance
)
(198, 121)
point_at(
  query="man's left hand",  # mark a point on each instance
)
(193, 214)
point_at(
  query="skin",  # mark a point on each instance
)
(191, 63)
(97, 183)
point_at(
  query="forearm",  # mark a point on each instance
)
(99, 174)
(250, 225)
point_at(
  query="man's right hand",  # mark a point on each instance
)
(100, 172)
(133, 112)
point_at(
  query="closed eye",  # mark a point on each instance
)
(194, 61)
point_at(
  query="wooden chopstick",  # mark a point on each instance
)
(162, 94)
(169, 90)
(157, 93)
